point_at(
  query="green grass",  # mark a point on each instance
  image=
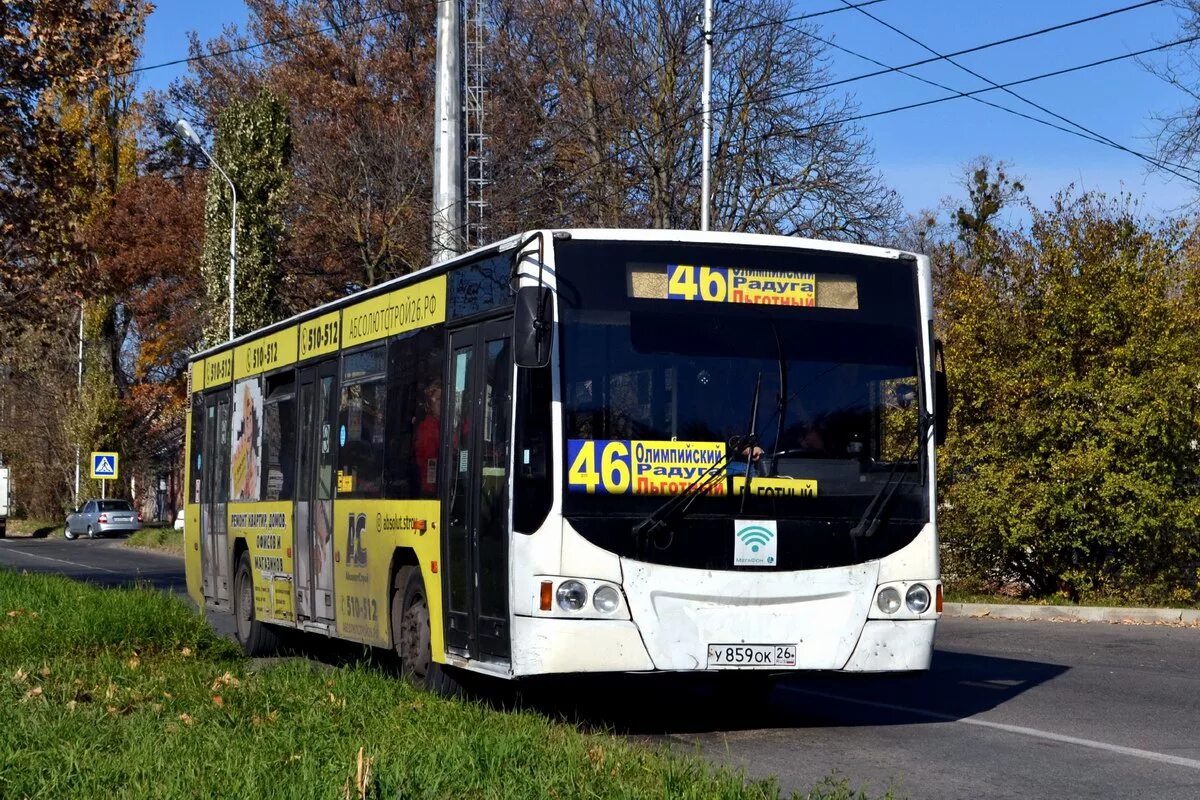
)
(157, 538)
(127, 693)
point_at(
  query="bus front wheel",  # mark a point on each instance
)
(410, 626)
(255, 638)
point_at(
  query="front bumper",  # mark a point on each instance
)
(677, 613)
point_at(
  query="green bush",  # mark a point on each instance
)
(1073, 351)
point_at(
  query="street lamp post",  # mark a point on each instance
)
(185, 132)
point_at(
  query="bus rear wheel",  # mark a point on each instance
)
(410, 627)
(256, 638)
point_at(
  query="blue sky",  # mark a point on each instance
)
(922, 152)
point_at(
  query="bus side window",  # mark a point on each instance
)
(532, 473)
(279, 437)
(197, 446)
(360, 434)
(414, 426)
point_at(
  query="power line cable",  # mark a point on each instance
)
(858, 117)
(366, 20)
(975, 49)
(270, 42)
(1099, 136)
(1166, 165)
(1070, 24)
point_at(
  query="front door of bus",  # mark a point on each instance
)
(214, 498)
(313, 521)
(476, 513)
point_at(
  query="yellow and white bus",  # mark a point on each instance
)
(585, 451)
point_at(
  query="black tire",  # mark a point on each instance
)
(91, 534)
(410, 633)
(256, 638)
(68, 534)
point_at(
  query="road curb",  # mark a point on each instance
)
(1137, 616)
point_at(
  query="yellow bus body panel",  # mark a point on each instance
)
(267, 530)
(366, 534)
(265, 353)
(191, 522)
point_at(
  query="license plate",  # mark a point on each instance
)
(749, 656)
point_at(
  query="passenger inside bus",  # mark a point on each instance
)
(428, 437)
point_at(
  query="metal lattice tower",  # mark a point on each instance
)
(474, 91)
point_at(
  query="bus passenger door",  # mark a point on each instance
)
(313, 520)
(476, 500)
(214, 499)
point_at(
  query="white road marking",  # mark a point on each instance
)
(63, 561)
(1149, 755)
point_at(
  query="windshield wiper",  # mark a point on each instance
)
(872, 515)
(753, 439)
(781, 400)
(678, 505)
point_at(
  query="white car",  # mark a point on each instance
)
(179, 520)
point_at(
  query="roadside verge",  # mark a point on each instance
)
(126, 692)
(1021, 611)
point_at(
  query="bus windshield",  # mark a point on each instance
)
(788, 379)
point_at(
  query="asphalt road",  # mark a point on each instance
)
(1009, 710)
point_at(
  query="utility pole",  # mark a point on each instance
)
(474, 92)
(79, 389)
(447, 132)
(706, 114)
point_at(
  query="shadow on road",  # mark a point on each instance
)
(959, 685)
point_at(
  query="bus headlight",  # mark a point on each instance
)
(606, 600)
(572, 595)
(888, 600)
(917, 598)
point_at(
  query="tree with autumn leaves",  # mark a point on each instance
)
(94, 240)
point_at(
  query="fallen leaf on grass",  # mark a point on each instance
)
(71, 705)
(34, 693)
(362, 777)
(44, 671)
(225, 680)
(20, 676)
(186, 719)
(218, 700)
(134, 661)
(186, 652)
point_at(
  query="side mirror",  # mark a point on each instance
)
(533, 332)
(941, 397)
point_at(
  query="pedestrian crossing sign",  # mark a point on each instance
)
(104, 466)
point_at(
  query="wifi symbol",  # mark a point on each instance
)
(755, 536)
